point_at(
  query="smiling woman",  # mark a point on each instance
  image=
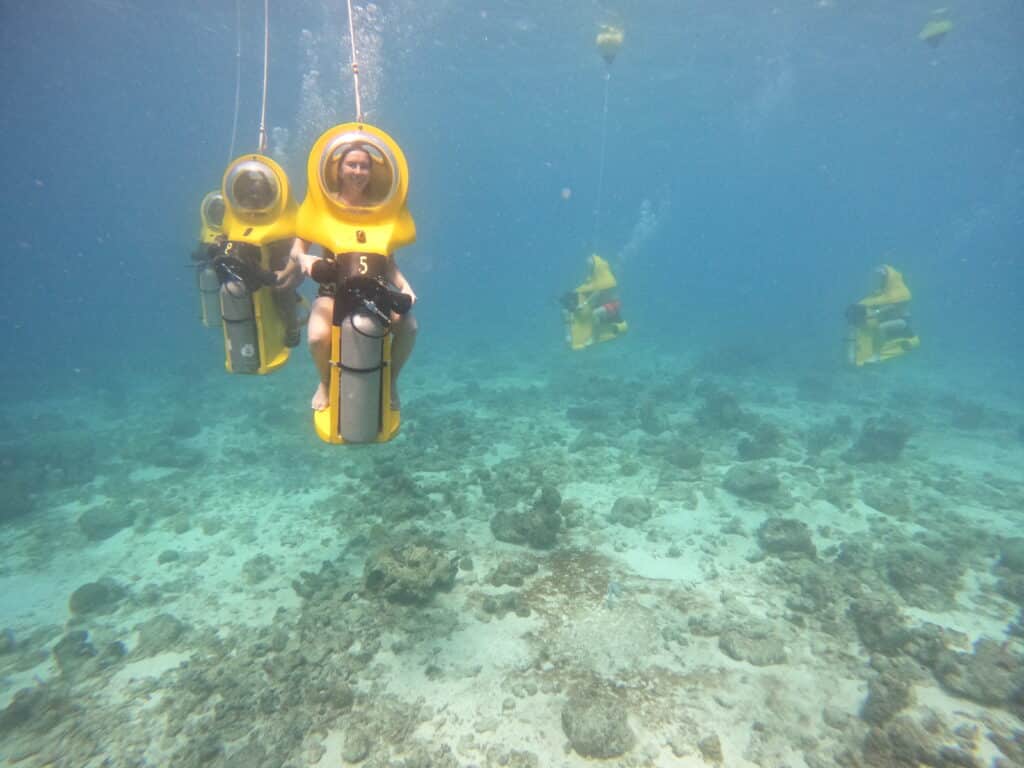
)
(357, 174)
(353, 174)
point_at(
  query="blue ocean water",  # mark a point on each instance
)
(760, 160)
(779, 151)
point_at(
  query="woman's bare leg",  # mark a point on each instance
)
(319, 333)
(404, 330)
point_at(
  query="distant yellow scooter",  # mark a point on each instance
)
(879, 324)
(592, 310)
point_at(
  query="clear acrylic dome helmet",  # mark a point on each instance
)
(213, 209)
(252, 187)
(384, 175)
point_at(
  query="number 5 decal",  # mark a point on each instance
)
(363, 266)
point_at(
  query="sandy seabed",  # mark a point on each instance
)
(673, 563)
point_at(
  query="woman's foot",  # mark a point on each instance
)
(321, 398)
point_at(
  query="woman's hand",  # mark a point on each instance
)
(399, 281)
(300, 256)
(305, 262)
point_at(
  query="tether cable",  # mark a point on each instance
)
(266, 69)
(600, 171)
(238, 76)
(355, 63)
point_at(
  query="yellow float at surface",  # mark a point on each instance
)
(934, 31)
(262, 217)
(381, 227)
(609, 41)
(869, 343)
(583, 331)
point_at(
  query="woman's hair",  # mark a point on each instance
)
(355, 148)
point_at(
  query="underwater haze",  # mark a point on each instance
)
(709, 541)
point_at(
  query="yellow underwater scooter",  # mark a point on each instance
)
(359, 242)
(879, 324)
(258, 318)
(592, 309)
(259, 225)
(211, 217)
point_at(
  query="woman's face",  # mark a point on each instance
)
(355, 173)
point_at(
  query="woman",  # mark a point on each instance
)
(353, 174)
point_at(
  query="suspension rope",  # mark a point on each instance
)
(355, 63)
(238, 75)
(266, 69)
(600, 171)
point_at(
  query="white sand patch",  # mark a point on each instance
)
(651, 565)
(35, 599)
(474, 658)
(977, 613)
(150, 667)
(956, 711)
(150, 474)
(466, 687)
(982, 451)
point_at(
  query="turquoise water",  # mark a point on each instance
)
(709, 536)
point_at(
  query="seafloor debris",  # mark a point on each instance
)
(537, 527)
(596, 725)
(785, 537)
(880, 440)
(410, 573)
